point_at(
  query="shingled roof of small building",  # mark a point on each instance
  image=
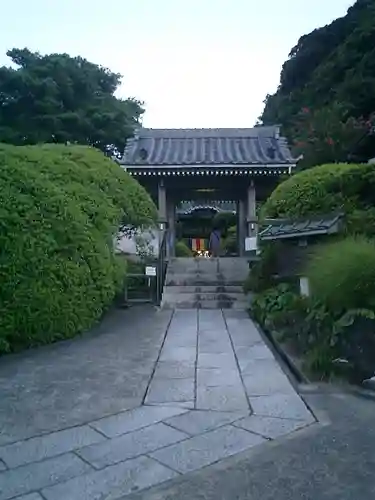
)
(208, 146)
(280, 229)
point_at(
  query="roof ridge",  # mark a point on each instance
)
(214, 146)
(258, 127)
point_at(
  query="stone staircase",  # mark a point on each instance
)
(206, 283)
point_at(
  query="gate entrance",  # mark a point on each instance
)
(238, 166)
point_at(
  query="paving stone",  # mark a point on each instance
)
(175, 404)
(112, 482)
(222, 398)
(132, 420)
(206, 449)
(38, 475)
(225, 361)
(175, 341)
(269, 427)
(243, 331)
(254, 366)
(2, 466)
(174, 369)
(188, 317)
(281, 405)
(255, 352)
(200, 421)
(170, 390)
(239, 324)
(57, 443)
(267, 383)
(212, 338)
(209, 329)
(213, 377)
(31, 496)
(188, 354)
(209, 317)
(245, 339)
(212, 346)
(130, 445)
(212, 327)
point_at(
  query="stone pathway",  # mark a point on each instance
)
(215, 390)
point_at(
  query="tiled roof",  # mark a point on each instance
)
(308, 227)
(222, 146)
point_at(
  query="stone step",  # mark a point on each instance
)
(193, 297)
(205, 274)
(212, 281)
(208, 304)
(175, 289)
(205, 284)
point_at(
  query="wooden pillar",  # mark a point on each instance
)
(241, 226)
(171, 221)
(251, 216)
(162, 203)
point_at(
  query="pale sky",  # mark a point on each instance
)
(207, 63)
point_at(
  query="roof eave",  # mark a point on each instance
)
(143, 166)
(301, 234)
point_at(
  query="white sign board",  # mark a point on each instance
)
(251, 243)
(150, 271)
(304, 286)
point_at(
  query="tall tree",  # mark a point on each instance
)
(58, 98)
(331, 72)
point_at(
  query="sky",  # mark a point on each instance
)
(207, 63)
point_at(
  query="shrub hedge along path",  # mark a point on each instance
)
(337, 321)
(60, 209)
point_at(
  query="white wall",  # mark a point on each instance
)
(128, 244)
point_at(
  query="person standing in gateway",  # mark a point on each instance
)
(215, 242)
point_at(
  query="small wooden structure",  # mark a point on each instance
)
(297, 239)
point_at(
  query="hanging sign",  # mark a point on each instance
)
(251, 243)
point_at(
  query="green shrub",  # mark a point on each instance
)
(261, 274)
(61, 207)
(342, 274)
(320, 189)
(182, 250)
(271, 301)
(223, 221)
(329, 344)
(349, 188)
(229, 243)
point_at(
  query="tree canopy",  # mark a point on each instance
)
(326, 97)
(57, 98)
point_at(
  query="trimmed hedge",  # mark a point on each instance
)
(61, 207)
(342, 274)
(320, 190)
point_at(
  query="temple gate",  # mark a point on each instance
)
(227, 164)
